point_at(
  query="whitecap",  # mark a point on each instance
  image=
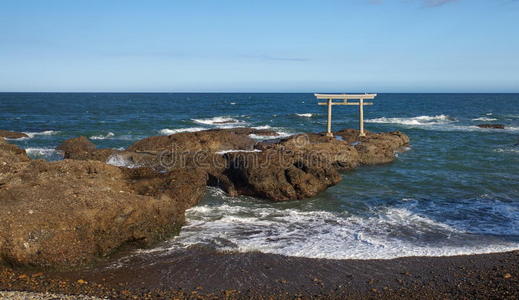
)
(167, 131)
(220, 121)
(507, 150)
(419, 120)
(437, 123)
(305, 115)
(264, 127)
(43, 133)
(103, 137)
(484, 119)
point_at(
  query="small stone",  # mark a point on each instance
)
(507, 276)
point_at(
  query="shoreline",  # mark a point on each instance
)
(204, 273)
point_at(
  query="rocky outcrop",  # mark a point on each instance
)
(209, 140)
(279, 175)
(71, 212)
(375, 148)
(12, 134)
(81, 148)
(75, 211)
(491, 126)
(304, 165)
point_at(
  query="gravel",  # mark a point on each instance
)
(41, 296)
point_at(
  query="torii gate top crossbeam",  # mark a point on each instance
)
(346, 96)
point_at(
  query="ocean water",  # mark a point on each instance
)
(454, 191)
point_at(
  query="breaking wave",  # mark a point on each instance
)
(307, 115)
(484, 119)
(44, 153)
(167, 131)
(119, 160)
(42, 133)
(103, 137)
(437, 123)
(508, 150)
(420, 120)
(222, 122)
(243, 224)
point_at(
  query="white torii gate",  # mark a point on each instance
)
(345, 98)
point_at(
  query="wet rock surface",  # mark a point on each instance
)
(12, 134)
(491, 126)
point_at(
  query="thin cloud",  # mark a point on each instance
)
(427, 3)
(433, 3)
(278, 58)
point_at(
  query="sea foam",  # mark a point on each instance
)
(120, 161)
(41, 133)
(167, 131)
(226, 122)
(305, 115)
(103, 137)
(419, 120)
(44, 153)
(244, 224)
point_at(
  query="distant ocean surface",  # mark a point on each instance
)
(455, 191)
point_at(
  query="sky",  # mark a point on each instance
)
(259, 46)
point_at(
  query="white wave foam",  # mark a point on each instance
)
(167, 131)
(484, 119)
(420, 120)
(281, 134)
(243, 225)
(103, 137)
(507, 150)
(44, 153)
(119, 160)
(224, 122)
(237, 150)
(262, 127)
(44, 133)
(306, 115)
(437, 123)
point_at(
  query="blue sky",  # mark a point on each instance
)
(260, 46)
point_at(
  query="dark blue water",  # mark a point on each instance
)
(455, 191)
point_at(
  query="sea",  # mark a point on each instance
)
(453, 191)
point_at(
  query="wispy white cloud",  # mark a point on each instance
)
(432, 3)
(427, 3)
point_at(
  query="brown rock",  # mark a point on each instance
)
(280, 175)
(67, 213)
(209, 140)
(82, 148)
(12, 134)
(375, 148)
(491, 126)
